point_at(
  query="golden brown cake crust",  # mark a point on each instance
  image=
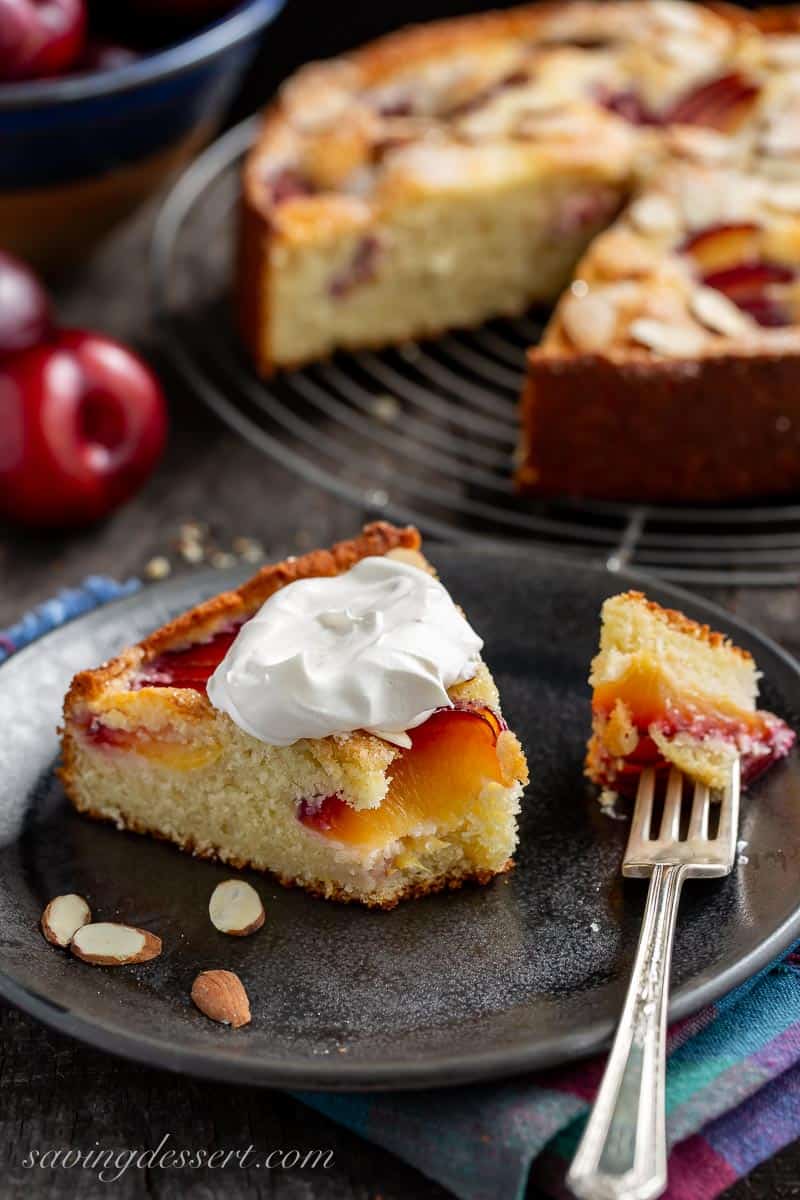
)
(661, 430)
(678, 621)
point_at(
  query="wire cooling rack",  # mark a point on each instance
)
(423, 433)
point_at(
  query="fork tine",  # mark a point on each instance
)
(729, 807)
(671, 820)
(698, 822)
(643, 811)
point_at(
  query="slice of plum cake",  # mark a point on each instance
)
(667, 690)
(279, 773)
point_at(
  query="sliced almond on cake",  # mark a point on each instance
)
(63, 917)
(620, 254)
(719, 314)
(589, 321)
(654, 213)
(220, 995)
(235, 908)
(785, 197)
(671, 341)
(106, 944)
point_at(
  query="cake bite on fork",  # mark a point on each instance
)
(670, 691)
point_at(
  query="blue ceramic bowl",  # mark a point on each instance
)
(80, 152)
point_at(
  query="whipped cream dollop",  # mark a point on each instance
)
(375, 648)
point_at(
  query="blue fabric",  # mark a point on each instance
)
(68, 603)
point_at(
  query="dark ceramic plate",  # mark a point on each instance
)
(485, 982)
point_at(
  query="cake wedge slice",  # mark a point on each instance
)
(669, 691)
(279, 773)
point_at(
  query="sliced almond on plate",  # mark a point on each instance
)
(672, 341)
(235, 908)
(63, 916)
(718, 313)
(220, 995)
(106, 944)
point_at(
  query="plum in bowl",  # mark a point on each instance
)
(82, 149)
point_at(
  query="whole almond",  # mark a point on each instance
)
(62, 918)
(220, 995)
(106, 944)
(235, 908)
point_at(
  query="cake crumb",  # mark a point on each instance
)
(158, 567)
(248, 548)
(191, 552)
(608, 802)
(221, 559)
(385, 408)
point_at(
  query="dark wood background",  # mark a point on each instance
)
(53, 1091)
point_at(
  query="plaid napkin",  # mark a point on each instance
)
(733, 1099)
(733, 1079)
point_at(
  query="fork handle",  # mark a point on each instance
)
(623, 1152)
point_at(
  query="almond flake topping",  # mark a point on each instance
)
(785, 197)
(701, 145)
(672, 341)
(681, 17)
(719, 314)
(782, 51)
(782, 134)
(654, 213)
(590, 321)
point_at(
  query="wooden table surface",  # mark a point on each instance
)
(57, 1093)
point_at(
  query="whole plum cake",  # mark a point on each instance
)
(640, 160)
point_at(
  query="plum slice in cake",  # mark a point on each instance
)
(279, 772)
(667, 690)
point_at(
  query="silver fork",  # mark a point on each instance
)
(623, 1152)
